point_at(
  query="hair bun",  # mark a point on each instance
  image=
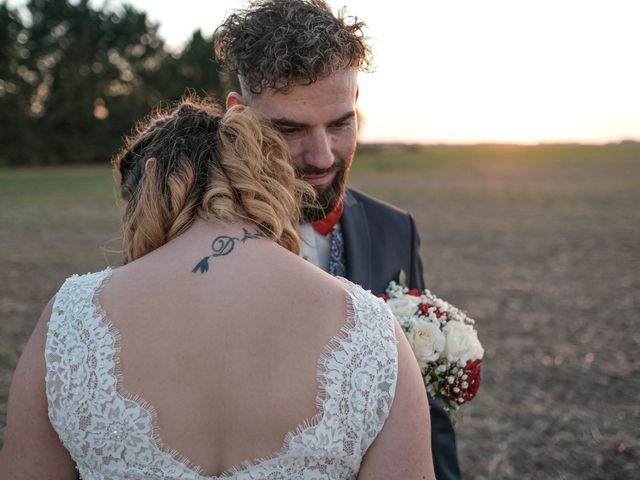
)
(222, 166)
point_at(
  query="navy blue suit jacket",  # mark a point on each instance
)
(380, 241)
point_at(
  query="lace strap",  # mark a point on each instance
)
(76, 290)
(376, 358)
(69, 362)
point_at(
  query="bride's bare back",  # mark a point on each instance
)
(228, 358)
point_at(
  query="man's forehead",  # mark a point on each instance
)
(333, 96)
(342, 81)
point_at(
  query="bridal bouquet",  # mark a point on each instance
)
(444, 341)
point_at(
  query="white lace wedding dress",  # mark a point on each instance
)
(111, 435)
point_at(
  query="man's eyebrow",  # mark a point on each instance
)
(343, 118)
(287, 122)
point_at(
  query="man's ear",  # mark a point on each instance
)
(234, 98)
(150, 163)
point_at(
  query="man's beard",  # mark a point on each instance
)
(327, 197)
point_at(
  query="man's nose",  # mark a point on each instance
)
(318, 151)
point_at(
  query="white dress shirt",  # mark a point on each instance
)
(314, 247)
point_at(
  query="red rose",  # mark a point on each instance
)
(424, 309)
(472, 370)
(414, 291)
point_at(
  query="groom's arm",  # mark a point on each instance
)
(443, 443)
(416, 274)
(443, 438)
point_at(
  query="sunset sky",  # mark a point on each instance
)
(466, 71)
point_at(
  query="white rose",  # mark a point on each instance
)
(403, 306)
(462, 342)
(427, 342)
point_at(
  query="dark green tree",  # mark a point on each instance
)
(86, 64)
(14, 89)
(193, 69)
(74, 79)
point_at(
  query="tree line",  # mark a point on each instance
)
(73, 79)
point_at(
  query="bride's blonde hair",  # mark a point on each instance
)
(208, 164)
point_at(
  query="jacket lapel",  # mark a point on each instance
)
(357, 242)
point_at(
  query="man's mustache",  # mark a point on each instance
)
(311, 170)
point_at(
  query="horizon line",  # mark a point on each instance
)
(498, 143)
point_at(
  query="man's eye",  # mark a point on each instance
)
(288, 130)
(344, 123)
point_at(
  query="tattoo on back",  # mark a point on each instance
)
(223, 245)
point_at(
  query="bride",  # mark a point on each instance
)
(215, 351)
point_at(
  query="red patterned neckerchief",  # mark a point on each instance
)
(325, 225)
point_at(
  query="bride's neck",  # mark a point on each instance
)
(201, 235)
(213, 228)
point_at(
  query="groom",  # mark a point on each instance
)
(297, 63)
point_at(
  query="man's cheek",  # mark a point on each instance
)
(296, 152)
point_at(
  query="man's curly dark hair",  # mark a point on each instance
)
(281, 43)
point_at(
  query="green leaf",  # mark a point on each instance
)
(402, 279)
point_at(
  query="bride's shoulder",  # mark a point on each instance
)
(80, 286)
(366, 302)
(87, 278)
